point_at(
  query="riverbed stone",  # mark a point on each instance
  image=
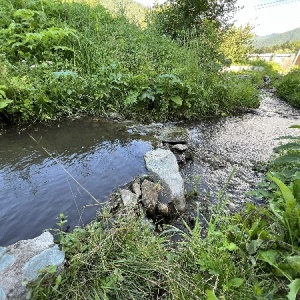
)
(149, 197)
(128, 197)
(180, 147)
(163, 164)
(175, 135)
(136, 187)
(22, 261)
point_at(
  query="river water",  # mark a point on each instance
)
(69, 167)
(73, 166)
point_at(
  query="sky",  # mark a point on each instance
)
(267, 16)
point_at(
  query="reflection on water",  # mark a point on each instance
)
(82, 155)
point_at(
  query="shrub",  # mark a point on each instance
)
(288, 87)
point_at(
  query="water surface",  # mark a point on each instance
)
(68, 167)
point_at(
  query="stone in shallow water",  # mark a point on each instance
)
(175, 135)
(162, 163)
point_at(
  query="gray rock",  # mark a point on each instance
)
(136, 187)
(128, 198)
(180, 147)
(49, 257)
(174, 135)
(5, 261)
(162, 163)
(2, 294)
(20, 254)
(149, 197)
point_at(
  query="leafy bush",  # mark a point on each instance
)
(288, 87)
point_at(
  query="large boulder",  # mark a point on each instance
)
(21, 262)
(162, 163)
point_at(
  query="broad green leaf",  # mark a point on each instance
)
(288, 158)
(286, 192)
(289, 146)
(177, 100)
(236, 282)
(295, 126)
(294, 262)
(296, 189)
(271, 257)
(253, 246)
(294, 289)
(287, 137)
(210, 294)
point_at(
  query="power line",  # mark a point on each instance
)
(264, 4)
(275, 3)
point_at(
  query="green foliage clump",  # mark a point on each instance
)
(237, 43)
(288, 87)
(106, 64)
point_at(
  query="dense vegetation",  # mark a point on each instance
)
(60, 59)
(253, 254)
(288, 87)
(277, 39)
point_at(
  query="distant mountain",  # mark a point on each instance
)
(132, 10)
(277, 38)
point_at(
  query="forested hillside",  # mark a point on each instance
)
(277, 38)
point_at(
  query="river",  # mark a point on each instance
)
(73, 166)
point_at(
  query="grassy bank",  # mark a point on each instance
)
(253, 254)
(61, 59)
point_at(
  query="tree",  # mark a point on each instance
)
(175, 17)
(237, 43)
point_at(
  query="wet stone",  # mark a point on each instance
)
(174, 135)
(180, 147)
(128, 198)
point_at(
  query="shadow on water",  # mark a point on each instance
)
(35, 185)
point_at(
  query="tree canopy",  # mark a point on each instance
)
(176, 16)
